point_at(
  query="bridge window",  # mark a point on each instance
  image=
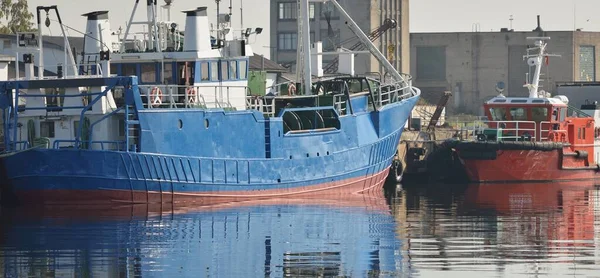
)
(518, 114)
(148, 73)
(243, 70)
(224, 71)
(498, 114)
(128, 69)
(539, 114)
(214, 71)
(204, 73)
(233, 70)
(168, 73)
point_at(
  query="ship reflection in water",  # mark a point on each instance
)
(479, 231)
(349, 237)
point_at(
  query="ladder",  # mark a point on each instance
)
(132, 128)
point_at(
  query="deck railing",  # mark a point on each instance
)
(181, 96)
(506, 130)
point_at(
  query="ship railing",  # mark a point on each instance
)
(339, 103)
(264, 104)
(104, 145)
(67, 72)
(181, 96)
(20, 145)
(546, 127)
(394, 92)
(505, 130)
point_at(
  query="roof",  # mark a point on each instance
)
(256, 63)
(559, 100)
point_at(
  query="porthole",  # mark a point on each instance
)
(180, 124)
(206, 123)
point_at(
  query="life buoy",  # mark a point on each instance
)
(191, 95)
(156, 96)
(292, 89)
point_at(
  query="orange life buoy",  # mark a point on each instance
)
(191, 95)
(292, 89)
(156, 96)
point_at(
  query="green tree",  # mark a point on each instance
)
(15, 16)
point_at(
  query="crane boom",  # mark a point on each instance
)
(389, 68)
(375, 34)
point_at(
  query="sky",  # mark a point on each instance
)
(425, 15)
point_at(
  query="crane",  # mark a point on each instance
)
(374, 35)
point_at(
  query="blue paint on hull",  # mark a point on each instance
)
(364, 146)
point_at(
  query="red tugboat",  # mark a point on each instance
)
(533, 139)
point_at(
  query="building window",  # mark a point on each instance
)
(287, 41)
(587, 63)
(327, 9)
(288, 11)
(330, 41)
(47, 129)
(431, 63)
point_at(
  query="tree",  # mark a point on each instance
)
(15, 16)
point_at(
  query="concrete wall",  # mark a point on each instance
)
(477, 61)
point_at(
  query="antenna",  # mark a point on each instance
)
(511, 21)
(242, 17)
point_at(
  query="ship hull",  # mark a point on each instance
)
(527, 166)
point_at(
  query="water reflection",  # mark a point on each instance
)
(329, 237)
(508, 230)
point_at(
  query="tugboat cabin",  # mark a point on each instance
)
(533, 119)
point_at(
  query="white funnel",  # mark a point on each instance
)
(98, 35)
(197, 35)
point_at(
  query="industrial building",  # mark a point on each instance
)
(369, 15)
(471, 64)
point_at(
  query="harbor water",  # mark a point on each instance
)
(513, 230)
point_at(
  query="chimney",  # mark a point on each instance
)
(197, 36)
(98, 35)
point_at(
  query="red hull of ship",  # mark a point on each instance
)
(362, 185)
(529, 166)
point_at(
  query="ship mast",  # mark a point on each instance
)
(303, 53)
(536, 60)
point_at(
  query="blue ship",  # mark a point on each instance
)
(171, 118)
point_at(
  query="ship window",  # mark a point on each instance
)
(243, 70)
(128, 69)
(224, 70)
(579, 133)
(563, 114)
(233, 70)
(204, 74)
(498, 114)
(539, 114)
(47, 129)
(114, 69)
(168, 73)
(75, 128)
(148, 73)
(214, 71)
(518, 114)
